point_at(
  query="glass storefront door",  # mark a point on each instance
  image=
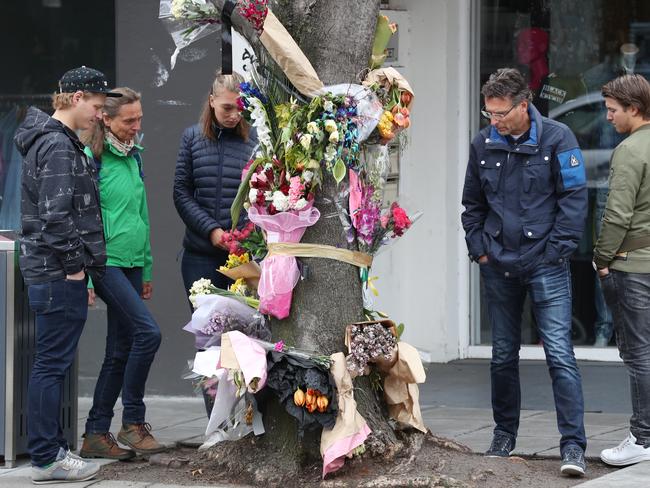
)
(568, 50)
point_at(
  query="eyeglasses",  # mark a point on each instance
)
(496, 115)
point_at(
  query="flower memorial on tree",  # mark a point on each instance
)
(307, 133)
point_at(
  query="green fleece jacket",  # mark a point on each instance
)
(123, 200)
(627, 213)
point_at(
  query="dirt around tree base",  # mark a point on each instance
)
(434, 462)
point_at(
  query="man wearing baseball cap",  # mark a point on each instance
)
(61, 244)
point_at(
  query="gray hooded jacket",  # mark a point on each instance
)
(62, 231)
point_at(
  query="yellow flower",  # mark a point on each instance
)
(234, 261)
(239, 286)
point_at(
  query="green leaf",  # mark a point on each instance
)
(338, 171)
(400, 330)
(242, 193)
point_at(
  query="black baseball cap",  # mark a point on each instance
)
(85, 79)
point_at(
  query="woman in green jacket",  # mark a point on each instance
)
(133, 336)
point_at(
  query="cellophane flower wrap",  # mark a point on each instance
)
(280, 274)
(216, 314)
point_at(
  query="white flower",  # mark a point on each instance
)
(280, 201)
(330, 125)
(268, 195)
(307, 175)
(288, 145)
(252, 195)
(178, 7)
(330, 153)
(305, 141)
(312, 128)
(328, 106)
(300, 204)
(334, 137)
(199, 287)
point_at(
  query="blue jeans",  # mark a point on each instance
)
(61, 308)
(132, 339)
(604, 325)
(549, 287)
(628, 295)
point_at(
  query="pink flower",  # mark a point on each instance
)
(279, 346)
(401, 220)
(244, 171)
(296, 189)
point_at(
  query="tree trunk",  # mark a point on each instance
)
(336, 36)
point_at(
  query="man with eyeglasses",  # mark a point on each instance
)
(525, 200)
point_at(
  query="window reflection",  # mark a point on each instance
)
(569, 50)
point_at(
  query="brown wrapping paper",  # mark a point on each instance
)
(251, 272)
(401, 391)
(286, 53)
(300, 250)
(227, 358)
(389, 76)
(348, 421)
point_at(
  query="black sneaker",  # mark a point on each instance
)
(573, 461)
(502, 445)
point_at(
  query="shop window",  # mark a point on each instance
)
(42, 39)
(568, 50)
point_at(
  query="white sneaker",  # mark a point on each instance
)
(627, 452)
(66, 468)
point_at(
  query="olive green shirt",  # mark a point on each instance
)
(627, 213)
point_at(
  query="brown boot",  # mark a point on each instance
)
(138, 437)
(103, 446)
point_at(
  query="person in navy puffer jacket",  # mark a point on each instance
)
(210, 161)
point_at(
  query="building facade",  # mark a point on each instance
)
(445, 48)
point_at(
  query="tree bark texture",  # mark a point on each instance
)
(336, 36)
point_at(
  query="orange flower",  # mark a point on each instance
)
(405, 98)
(299, 397)
(322, 403)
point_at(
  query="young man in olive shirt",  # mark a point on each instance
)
(622, 254)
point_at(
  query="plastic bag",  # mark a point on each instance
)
(369, 108)
(280, 274)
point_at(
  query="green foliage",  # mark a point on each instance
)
(242, 194)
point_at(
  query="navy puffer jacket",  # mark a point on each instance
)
(207, 178)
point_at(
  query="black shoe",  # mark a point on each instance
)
(502, 445)
(573, 461)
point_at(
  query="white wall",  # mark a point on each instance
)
(424, 277)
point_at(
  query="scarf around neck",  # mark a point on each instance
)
(124, 148)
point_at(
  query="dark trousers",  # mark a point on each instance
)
(628, 296)
(549, 287)
(132, 339)
(61, 309)
(195, 266)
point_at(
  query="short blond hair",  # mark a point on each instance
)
(61, 101)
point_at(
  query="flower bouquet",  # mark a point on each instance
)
(218, 311)
(304, 386)
(396, 95)
(373, 341)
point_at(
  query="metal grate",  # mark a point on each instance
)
(19, 341)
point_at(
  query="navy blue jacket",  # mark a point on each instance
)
(525, 203)
(207, 178)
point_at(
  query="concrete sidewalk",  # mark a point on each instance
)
(455, 404)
